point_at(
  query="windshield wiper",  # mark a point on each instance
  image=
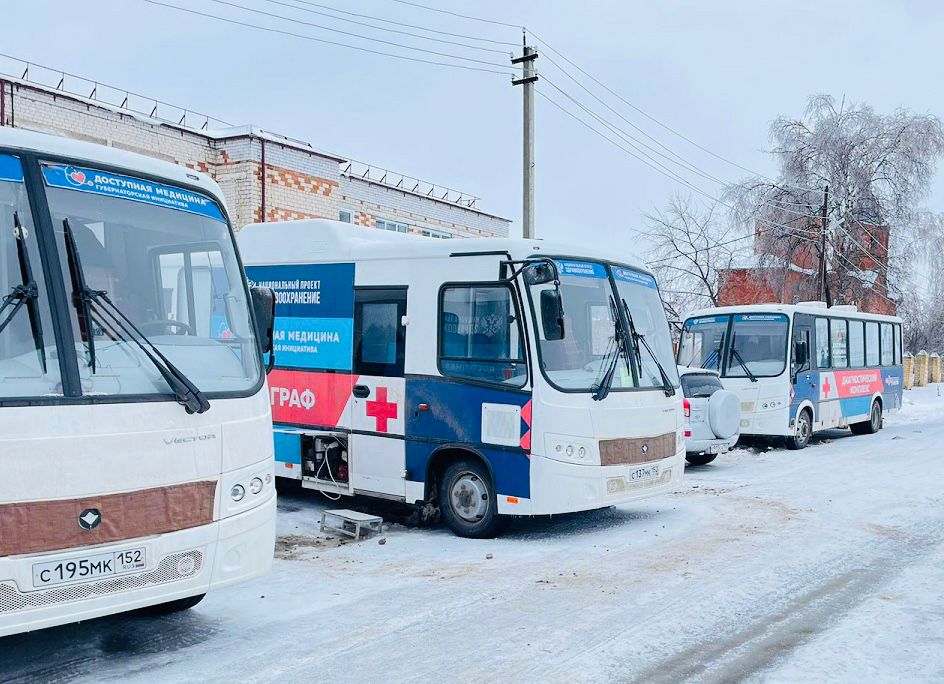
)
(25, 294)
(735, 354)
(84, 298)
(667, 386)
(602, 389)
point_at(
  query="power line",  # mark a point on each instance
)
(772, 225)
(382, 53)
(643, 112)
(688, 167)
(401, 23)
(352, 34)
(376, 28)
(456, 14)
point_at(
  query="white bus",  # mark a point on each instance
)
(800, 368)
(135, 432)
(484, 378)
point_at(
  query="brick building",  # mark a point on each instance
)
(790, 273)
(264, 176)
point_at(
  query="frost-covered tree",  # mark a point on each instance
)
(690, 245)
(922, 290)
(877, 167)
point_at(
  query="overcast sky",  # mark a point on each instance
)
(717, 71)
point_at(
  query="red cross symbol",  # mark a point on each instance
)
(826, 386)
(382, 409)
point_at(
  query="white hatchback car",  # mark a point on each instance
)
(712, 415)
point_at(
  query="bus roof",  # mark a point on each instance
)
(93, 153)
(812, 308)
(321, 240)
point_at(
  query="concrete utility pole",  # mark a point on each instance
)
(528, 78)
(824, 293)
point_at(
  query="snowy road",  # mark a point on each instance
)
(766, 566)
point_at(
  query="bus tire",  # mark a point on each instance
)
(467, 500)
(171, 606)
(872, 425)
(801, 431)
(700, 459)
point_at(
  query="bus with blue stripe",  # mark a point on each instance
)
(802, 368)
(477, 379)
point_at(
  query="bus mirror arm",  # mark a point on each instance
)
(263, 309)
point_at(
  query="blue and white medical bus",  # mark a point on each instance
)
(135, 431)
(481, 377)
(800, 368)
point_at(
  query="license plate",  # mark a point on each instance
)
(717, 449)
(86, 568)
(644, 473)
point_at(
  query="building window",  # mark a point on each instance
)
(346, 216)
(395, 226)
(433, 233)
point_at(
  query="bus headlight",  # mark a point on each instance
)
(237, 492)
(570, 449)
(255, 485)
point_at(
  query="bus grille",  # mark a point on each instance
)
(12, 599)
(637, 449)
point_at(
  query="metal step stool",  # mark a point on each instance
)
(350, 523)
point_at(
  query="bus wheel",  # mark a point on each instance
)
(467, 500)
(171, 606)
(870, 426)
(700, 459)
(801, 432)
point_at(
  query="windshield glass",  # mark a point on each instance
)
(758, 341)
(165, 257)
(641, 295)
(702, 341)
(577, 361)
(700, 385)
(28, 362)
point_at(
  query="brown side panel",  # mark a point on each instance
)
(36, 526)
(637, 450)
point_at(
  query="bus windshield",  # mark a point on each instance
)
(641, 296)
(579, 360)
(758, 345)
(702, 342)
(166, 258)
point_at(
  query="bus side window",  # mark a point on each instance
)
(480, 334)
(871, 344)
(822, 343)
(897, 345)
(379, 336)
(839, 346)
(856, 344)
(888, 356)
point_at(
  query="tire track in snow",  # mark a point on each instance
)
(758, 647)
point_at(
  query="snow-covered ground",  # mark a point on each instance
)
(768, 565)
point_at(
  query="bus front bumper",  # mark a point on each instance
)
(179, 565)
(559, 487)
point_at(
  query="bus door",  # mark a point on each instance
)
(377, 448)
(801, 366)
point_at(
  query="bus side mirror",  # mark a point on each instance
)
(540, 273)
(552, 315)
(801, 354)
(263, 309)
